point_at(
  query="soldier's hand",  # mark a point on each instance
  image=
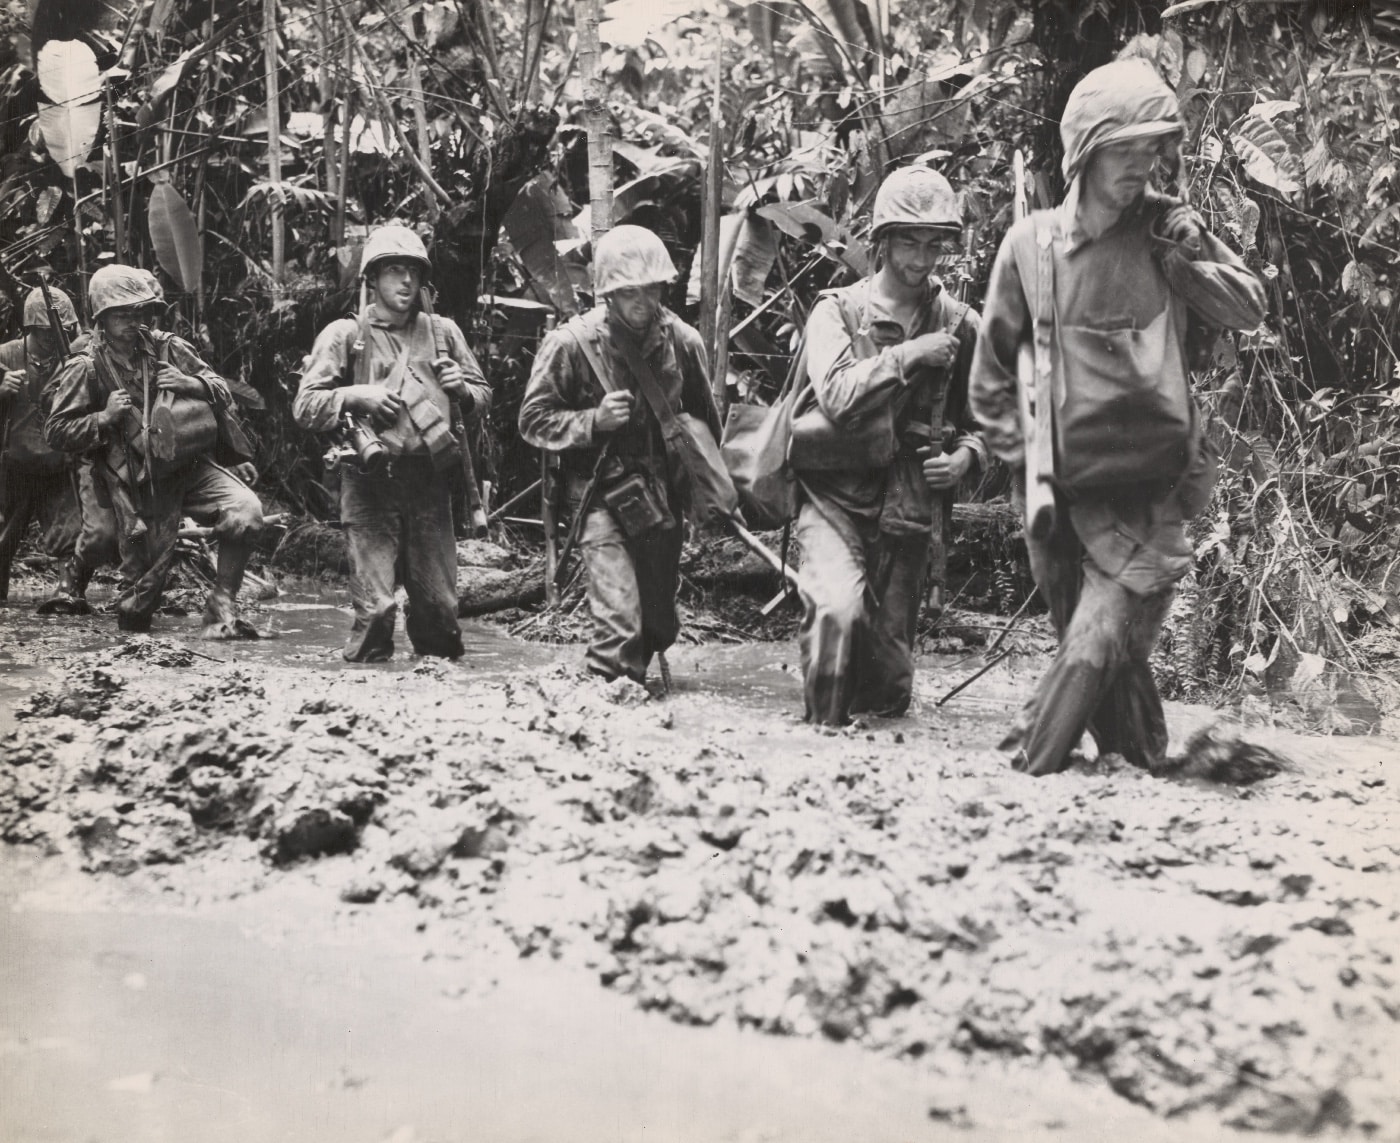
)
(373, 401)
(614, 412)
(452, 380)
(1183, 226)
(181, 384)
(945, 470)
(938, 350)
(246, 472)
(11, 383)
(118, 405)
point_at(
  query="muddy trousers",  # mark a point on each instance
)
(211, 496)
(632, 585)
(1100, 680)
(97, 535)
(27, 496)
(861, 590)
(398, 528)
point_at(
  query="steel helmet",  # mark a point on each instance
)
(915, 196)
(1126, 99)
(630, 256)
(118, 287)
(395, 242)
(36, 313)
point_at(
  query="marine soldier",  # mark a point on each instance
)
(587, 400)
(399, 380)
(159, 426)
(880, 437)
(1112, 279)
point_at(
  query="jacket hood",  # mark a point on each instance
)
(1126, 99)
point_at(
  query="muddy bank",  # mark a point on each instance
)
(1216, 956)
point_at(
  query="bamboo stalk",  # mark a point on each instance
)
(711, 208)
(420, 114)
(274, 142)
(595, 110)
(347, 95)
(114, 195)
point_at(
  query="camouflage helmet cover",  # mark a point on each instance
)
(120, 287)
(393, 242)
(915, 196)
(36, 313)
(630, 256)
(1122, 100)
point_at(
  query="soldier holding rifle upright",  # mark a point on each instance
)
(160, 428)
(386, 382)
(1107, 286)
(882, 435)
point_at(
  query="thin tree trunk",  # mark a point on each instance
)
(114, 189)
(420, 113)
(274, 143)
(595, 110)
(712, 208)
(347, 108)
(326, 88)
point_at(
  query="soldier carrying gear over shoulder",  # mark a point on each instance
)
(588, 400)
(397, 371)
(40, 482)
(109, 402)
(1107, 285)
(880, 438)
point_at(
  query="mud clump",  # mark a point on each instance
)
(1205, 952)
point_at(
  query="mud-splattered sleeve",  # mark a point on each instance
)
(558, 411)
(181, 354)
(1215, 283)
(461, 353)
(957, 414)
(73, 424)
(697, 398)
(992, 385)
(319, 404)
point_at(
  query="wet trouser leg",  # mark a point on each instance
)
(632, 588)
(97, 538)
(429, 563)
(42, 496)
(145, 561)
(1100, 680)
(861, 592)
(402, 521)
(217, 499)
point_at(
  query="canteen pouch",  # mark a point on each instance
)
(637, 505)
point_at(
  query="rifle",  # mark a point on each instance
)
(458, 424)
(590, 490)
(1033, 397)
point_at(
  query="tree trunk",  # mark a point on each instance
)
(274, 143)
(595, 111)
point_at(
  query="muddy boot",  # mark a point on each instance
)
(222, 621)
(68, 597)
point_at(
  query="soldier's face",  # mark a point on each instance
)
(397, 284)
(637, 305)
(122, 325)
(40, 343)
(912, 252)
(1118, 173)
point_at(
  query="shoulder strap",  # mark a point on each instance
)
(590, 351)
(651, 387)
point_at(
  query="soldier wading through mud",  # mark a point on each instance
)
(37, 481)
(396, 382)
(888, 360)
(1110, 282)
(591, 397)
(160, 428)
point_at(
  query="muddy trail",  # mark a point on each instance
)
(1176, 958)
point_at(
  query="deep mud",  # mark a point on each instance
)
(1221, 957)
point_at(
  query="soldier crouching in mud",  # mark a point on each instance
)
(586, 400)
(39, 481)
(889, 354)
(405, 377)
(160, 428)
(1108, 281)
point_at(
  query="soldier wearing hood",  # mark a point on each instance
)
(893, 350)
(104, 403)
(406, 376)
(583, 398)
(1130, 273)
(40, 482)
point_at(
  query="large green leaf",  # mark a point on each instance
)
(68, 72)
(175, 236)
(1267, 155)
(69, 131)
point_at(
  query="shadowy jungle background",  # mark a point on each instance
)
(242, 151)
